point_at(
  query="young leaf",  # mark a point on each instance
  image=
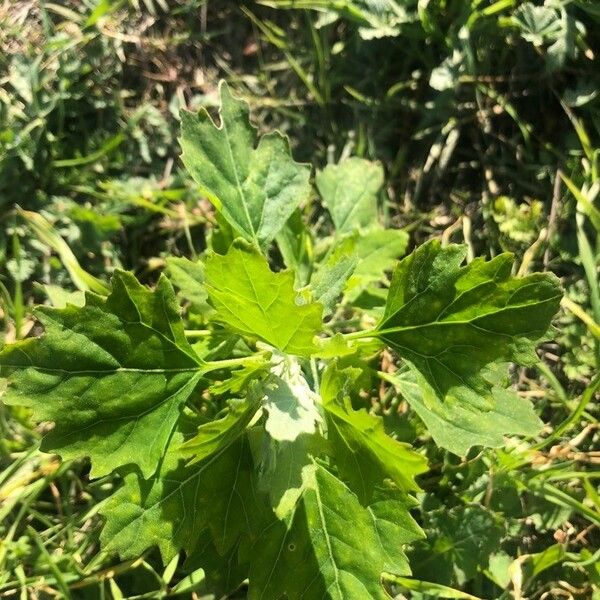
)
(290, 404)
(349, 192)
(295, 244)
(256, 187)
(214, 436)
(458, 425)
(281, 464)
(112, 375)
(451, 321)
(365, 455)
(254, 301)
(334, 548)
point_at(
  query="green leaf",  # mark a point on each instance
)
(295, 244)
(256, 187)
(213, 436)
(377, 250)
(44, 230)
(182, 504)
(334, 548)
(252, 300)
(376, 18)
(456, 425)
(112, 375)
(460, 541)
(281, 466)
(188, 277)
(349, 192)
(537, 23)
(450, 322)
(432, 590)
(331, 279)
(59, 297)
(365, 455)
(545, 25)
(222, 574)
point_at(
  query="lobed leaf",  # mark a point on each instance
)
(184, 504)
(188, 277)
(451, 322)
(256, 187)
(112, 375)
(377, 251)
(252, 300)
(457, 425)
(334, 547)
(364, 454)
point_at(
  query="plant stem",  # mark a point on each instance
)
(572, 419)
(357, 335)
(231, 363)
(573, 307)
(197, 333)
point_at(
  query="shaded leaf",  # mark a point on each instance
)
(216, 435)
(188, 277)
(330, 280)
(377, 250)
(365, 455)
(112, 375)
(182, 504)
(459, 542)
(290, 404)
(334, 547)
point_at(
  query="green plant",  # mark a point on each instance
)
(256, 449)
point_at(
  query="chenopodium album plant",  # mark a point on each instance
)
(253, 449)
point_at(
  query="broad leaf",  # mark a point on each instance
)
(281, 465)
(295, 244)
(349, 192)
(112, 375)
(365, 455)
(456, 425)
(223, 574)
(176, 508)
(459, 543)
(451, 321)
(254, 301)
(256, 187)
(334, 548)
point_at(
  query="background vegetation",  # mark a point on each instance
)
(486, 118)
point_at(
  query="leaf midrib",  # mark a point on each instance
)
(237, 180)
(336, 581)
(470, 322)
